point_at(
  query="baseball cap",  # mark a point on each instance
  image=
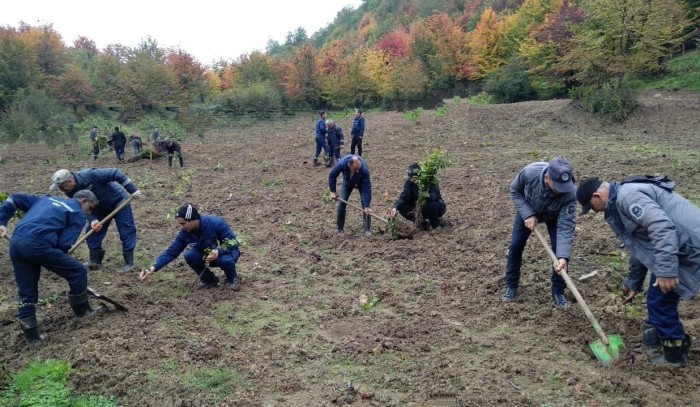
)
(562, 175)
(58, 178)
(329, 122)
(585, 192)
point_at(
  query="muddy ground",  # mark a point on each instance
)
(437, 333)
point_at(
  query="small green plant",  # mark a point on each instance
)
(327, 196)
(44, 384)
(427, 177)
(266, 165)
(413, 115)
(393, 229)
(441, 111)
(371, 303)
(271, 183)
(457, 100)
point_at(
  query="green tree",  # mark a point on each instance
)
(17, 66)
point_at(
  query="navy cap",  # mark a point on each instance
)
(585, 192)
(562, 175)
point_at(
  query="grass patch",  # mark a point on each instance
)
(214, 384)
(683, 73)
(43, 384)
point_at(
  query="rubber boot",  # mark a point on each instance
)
(676, 351)
(128, 262)
(30, 327)
(95, 261)
(652, 344)
(340, 221)
(232, 281)
(208, 283)
(367, 223)
(316, 163)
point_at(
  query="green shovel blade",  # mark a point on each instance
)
(607, 354)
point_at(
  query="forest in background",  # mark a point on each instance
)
(385, 54)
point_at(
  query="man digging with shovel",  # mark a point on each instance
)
(42, 239)
(110, 185)
(662, 231)
(355, 175)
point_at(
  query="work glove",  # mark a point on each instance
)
(137, 194)
(95, 225)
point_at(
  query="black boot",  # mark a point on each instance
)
(367, 223)
(340, 221)
(128, 262)
(316, 163)
(30, 327)
(676, 351)
(208, 283)
(95, 261)
(652, 344)
(80, 305)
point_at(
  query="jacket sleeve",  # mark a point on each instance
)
(333, 175)
(74, 225)
(434, 192)
(366, 190)
(341, 138)
(361, 125)
(171, 253)
(517, 194)
(16, 202)
(641, 209)
(227, 239)
(636, 276)
(405, 196)
(107, 175)
(566, 227)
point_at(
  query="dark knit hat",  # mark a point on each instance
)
(585, 192)
(187, 212)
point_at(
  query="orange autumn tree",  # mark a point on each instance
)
(302, 76)
(451, 46)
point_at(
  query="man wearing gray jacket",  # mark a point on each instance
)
(543, 192)
(661, 229)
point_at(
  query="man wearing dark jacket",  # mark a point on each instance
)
(357, 132)
(110, 185)
(42, 238)
(211, 242)
(172, 147)
(119, 143)
(320, 139)
(336, 141)
(543, 192)
(433, 208)
(661, 229)
(355, 175)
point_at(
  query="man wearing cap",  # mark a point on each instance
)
(42, 238)
(320, 138)
(336, 141)
(661, 229)
(211, 242)
(433, 208)
(355, 175)
(110, 185)
(543, 192)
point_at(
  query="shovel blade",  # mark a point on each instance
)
(610, 353)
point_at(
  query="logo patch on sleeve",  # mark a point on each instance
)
(571, 209)
(637, 211)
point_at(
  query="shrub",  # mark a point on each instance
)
(616, 102)
(34, 116)
(511, 83)
(261, 99)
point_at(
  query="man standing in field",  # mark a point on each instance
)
(110, 185)
(119, 142)
(661, 229)
(42, 238)
(95, 143)
(355, 175)
(321, 139)
(543, 192)
(210, 242)
(336, 141)
(357, 132)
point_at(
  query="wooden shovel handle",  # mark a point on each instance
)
(574, 290)
(102, 222)
(357, 207)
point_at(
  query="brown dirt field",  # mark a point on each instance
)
(297, 332)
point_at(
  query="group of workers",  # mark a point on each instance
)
(118, 141)
(660, 228)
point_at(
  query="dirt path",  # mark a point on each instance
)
(438, 334)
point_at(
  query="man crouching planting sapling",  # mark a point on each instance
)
(211, 242)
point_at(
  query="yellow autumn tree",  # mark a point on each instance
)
(486, 45)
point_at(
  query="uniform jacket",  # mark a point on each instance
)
(172, 148)
(410, 193)
(532, 196)
(335, 137)
(661, 230)
(361, 180)
(213, 233)
(118, 139)
(358, 127)
(108, 184)
(321, 129)
(55, 221)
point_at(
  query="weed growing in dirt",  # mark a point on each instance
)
(413, 115)
(219, 382)
(185, 180)
(271, 183)
(441, 111)
(482, 98)
(45, 384)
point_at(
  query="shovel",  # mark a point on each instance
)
(400, 234)
(102, 222)
(99, 296)
(607, 348)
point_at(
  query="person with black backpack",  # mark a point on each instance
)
(662, 231)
